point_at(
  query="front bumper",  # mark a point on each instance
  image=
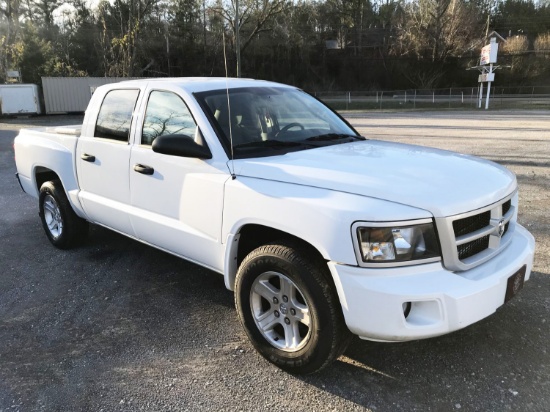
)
(373, 300)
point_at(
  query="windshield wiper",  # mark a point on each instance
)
(275, 144)
(333, 136)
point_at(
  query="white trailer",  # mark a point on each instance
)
(19, 99)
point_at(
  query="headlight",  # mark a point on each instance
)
(396, 243)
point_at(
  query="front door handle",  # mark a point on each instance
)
(88, 158)
(144, 170)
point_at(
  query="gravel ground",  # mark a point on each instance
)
(119, 326)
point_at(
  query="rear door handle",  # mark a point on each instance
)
(87, 157)
(144, 170)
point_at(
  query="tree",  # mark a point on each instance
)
(10, 14)
(41, 11)
(122, 24)
(436, 29)
(522, 17)
(33, 54)
(255, 17)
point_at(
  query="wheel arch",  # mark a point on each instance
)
(251, 236)
(42, 175)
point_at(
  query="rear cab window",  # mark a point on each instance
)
(115, 115)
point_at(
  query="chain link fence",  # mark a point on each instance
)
(537, 97)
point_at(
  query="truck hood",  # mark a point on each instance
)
(441, 182)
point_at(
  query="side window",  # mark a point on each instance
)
(115, 116)
(166, 114)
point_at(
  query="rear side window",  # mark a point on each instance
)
(115, 115)
(166, 113)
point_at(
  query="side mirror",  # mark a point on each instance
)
(182, 145)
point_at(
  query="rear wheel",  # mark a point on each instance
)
(289, 308)
(61, 224)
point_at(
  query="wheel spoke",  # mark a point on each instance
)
(266, 290)
(49, 207)
(287, 287)
(296, 333)
(302, 314)
(267, 320)
(292, 335)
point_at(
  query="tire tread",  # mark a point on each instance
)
(75, 228)
(295, 254)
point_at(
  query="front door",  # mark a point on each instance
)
(178, 201)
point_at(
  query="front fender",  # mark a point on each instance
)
(321, 217)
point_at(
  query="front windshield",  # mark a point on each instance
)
(264, 121)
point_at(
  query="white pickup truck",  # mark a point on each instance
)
(319, 231)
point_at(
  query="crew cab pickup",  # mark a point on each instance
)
(320, 232)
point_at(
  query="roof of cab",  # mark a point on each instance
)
(201, 84)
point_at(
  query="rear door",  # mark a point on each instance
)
(102, 162)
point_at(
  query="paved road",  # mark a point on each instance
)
(118, 326)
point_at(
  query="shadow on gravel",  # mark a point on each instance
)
(116, 319)
(491, 365)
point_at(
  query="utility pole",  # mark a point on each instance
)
(237, 38)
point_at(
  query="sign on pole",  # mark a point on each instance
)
(489, 53)
(487, 59)
(486, 77)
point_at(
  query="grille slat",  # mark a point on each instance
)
(506, 206)
(470, 224)
(473, 248)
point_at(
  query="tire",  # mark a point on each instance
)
(63, 227)
(289, 308)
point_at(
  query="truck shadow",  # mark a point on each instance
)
(496, 364)
(121, 315)
(492, 365)
(150, 265)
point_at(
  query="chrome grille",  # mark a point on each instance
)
(472, 238)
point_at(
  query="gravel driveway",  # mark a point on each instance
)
(118, 326)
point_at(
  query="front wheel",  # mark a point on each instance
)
(61, 224)
(289, 309)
